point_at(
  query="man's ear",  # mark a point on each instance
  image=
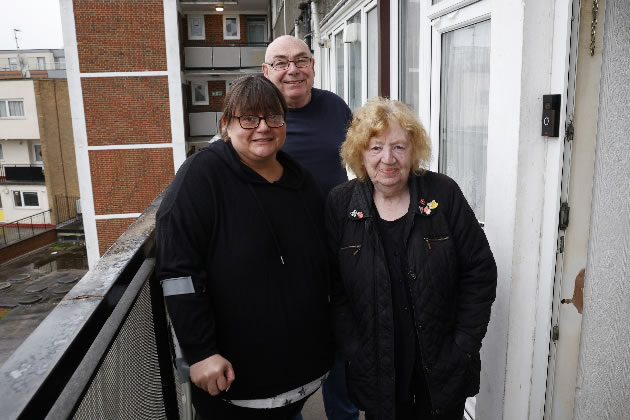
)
(265, 69)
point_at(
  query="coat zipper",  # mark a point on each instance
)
(429, 240)
(356, 248)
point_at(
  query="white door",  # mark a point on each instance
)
(577, 185)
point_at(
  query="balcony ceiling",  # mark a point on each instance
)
(229, 6)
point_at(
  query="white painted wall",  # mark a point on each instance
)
(15, 152)
(12, 213)
(603, 386)
(26, 127)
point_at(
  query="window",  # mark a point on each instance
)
(60, 63)
(196, 27)
(409, 53)
(231, 27)
(256, 29)
(200, 93)
(372, 54)
(1, 153)
(460, 88)
(11, 108)
(13, 64)
(339, 64)
(353, 39)
(41, 63)
(37, 153)
(25, 199)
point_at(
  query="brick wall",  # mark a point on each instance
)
(109, 230)
(126, 110)
(120, 35)
(20, 248)
(215, 102)
(57, 140)
(214, 32)
(128, 180)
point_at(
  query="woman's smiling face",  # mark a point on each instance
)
(256, 145)
(387, 159)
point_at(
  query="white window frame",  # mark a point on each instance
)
(203, 27)
(35, 155)
(5, 103)
(13, 64)
(340, 25)
(442, 18)
(204, 87)
(23, 206)
(333, 62)
(238, 27)
(41, 63)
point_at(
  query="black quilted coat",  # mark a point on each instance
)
(451, 279)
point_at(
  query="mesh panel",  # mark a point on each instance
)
(128, 383)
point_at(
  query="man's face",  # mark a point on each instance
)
(295, 83)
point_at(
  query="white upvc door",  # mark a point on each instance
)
(577, 185)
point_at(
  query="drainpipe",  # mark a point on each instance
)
(284, 15)
(315, 22)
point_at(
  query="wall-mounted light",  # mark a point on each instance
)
(219, 8)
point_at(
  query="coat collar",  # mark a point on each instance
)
(361, 204)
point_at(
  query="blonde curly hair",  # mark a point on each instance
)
(372, 119)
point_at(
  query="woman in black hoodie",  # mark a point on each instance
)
(243, 265)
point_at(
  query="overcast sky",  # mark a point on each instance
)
(38, 20)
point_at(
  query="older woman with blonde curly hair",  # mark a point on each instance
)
(413, 278)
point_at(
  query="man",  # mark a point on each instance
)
(317, 120)
(316, 127)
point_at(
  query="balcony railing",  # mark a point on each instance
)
(104, 351)
(25, 228)
(22, 174)
(236, 56)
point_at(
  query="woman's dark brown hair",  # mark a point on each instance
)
(251, 95)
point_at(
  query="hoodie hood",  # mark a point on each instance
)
(293, 175)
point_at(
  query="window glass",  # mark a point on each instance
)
(17, 199)
(16, 108)
(200, 93)
(30, 199)
(230, 28)
(256, 29)
(13, 63)
(1, 153)
(353, 32)
(37, 151)
(196, 26)
(409, 43)
(436, 1)
(11, 108)
(41, 63)
(372, 54)
(339, 63)
(465, 79)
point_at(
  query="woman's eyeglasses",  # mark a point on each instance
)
(281, 65)
(249, 122)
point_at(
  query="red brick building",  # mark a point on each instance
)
(147, 80)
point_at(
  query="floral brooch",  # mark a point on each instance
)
(356, 214)
(427, 208)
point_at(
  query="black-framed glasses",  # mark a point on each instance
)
(249, 122)
(281, 65)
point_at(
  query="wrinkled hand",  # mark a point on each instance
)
(213, 375)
